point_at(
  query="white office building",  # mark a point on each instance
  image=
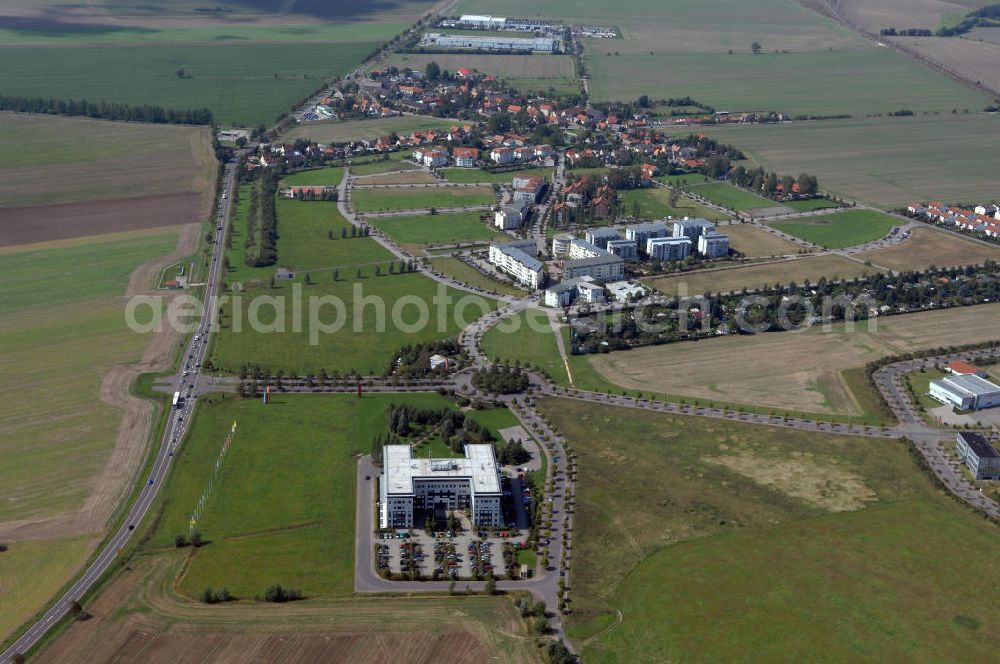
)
(668, 248)
(436, 486)
(513, 259)
(712, 244)
(968, 392)
(976, 452)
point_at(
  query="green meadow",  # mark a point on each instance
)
(438, 228)
(790, 544)
(840, 229)
(727, 195)
(405, 198)
(526, 338)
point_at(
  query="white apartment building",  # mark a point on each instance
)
(409, 485)
(712, 244)
(510, 217)
(668, 248)
(602, 268)
(512, 259)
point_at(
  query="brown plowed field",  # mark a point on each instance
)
(68, 220)
(138, 618)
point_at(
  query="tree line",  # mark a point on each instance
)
(262, 223)
(766, 184)
(106, 110)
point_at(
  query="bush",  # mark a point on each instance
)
(279, 595)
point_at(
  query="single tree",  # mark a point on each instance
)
(755, 47)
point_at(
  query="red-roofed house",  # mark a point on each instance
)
(465, 157)
(961, 368)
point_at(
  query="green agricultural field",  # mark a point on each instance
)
(880, 161)
(840, 229)
(747, 519)
(529, 339)
(729, 196)
(33, 571)
(654, 203)
(328, 176)
(458, 269)
(438, 228)
(334, 132)
(680, 47)
(243, 84)
(376, 200)
(63, 160)
(60, 337)
(382, 164)
(475, 175)
(362, 342)
(545, 86)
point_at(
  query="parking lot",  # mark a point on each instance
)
(458, 556)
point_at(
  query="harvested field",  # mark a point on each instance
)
(70, 220)
(407, 177)
(332, 132)
(505, 66)
(138, 613)
(973, 60)
(799, 371)
(929, 246)
(881, 161)
(873, 15)
(756, 276)
(54, 159)
(753, 242)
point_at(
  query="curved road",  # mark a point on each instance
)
(175, 430)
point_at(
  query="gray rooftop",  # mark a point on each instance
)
(479, 467)
(521, 257)
(596, 260)
(970, 384)
(650, 226)
(978, 444)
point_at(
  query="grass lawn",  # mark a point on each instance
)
(654, 203)
(242, 84)
(746, 520)
(754, 242)
(476, 175)
(727, 195)
(811, 204)
(375, 200)
(529, 338)
(544, 86)
(438, 228)
(920, 382)
(458, 269)
(326, 176)
(840, 229)
(282, 506)
(392, 161)
(354, 130)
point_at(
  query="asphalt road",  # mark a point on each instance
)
(175, 430)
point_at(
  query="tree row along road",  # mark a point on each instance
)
(176, 428)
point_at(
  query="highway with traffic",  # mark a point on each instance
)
(187, 382)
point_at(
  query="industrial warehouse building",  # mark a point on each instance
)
(966, 392)
(409, 485)
(976, 452)
(499, 44)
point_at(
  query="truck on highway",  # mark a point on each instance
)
(177, 400)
